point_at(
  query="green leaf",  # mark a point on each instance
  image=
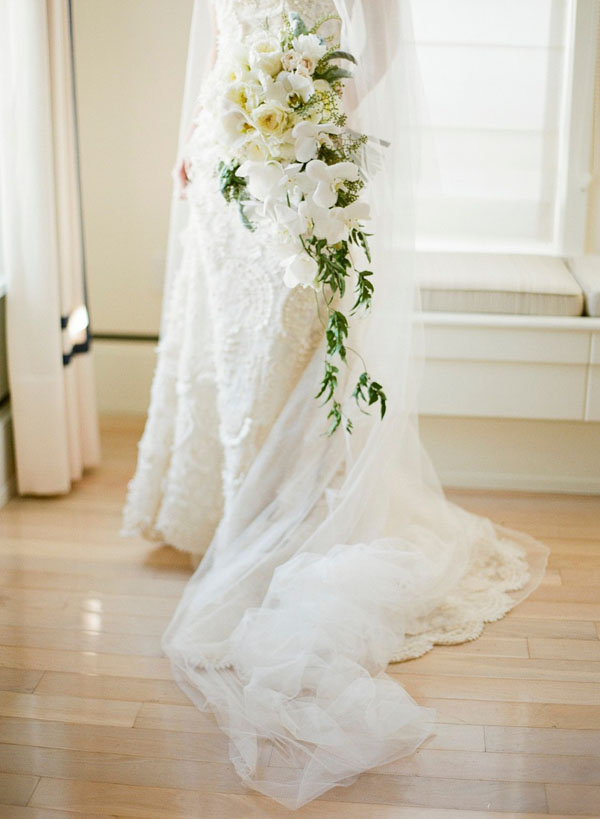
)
(340, 55)
(364, 290)
(329, 382)
(335, 414)
(336, 333)
(332, 74)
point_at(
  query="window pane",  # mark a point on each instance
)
(493, 73)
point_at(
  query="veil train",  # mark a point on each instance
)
(342, 554)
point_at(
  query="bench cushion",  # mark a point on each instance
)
(586, 270)
(483, 283)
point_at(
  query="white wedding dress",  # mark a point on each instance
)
(326, 558)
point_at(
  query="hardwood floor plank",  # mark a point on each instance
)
(451, 664)
(558, 610)
(16, 789)
(68, 709)
(160, 563)
(545, 515)
(120, 769)
(488, 646)
(567, 594)
(504, 767)
(574, 560)
(80, 640)
(581, 577)
(19, 679)
(547, 648)
(159, 803)
(517, 714)
(112, 665)
(207, 747)
(503, 739)
(514, 626)
(574, 799)
(112, 688)
(175, 718)
(27, 812)
(93, 582)
(97, 602)
(443, 793)
(508, 690)
(162, 803)
(72, 616)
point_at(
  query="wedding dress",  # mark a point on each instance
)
(331, 556)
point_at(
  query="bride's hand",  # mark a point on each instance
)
(181, 177)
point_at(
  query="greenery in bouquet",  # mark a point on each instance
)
(290, 161)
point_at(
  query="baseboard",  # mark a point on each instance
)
(514, 454)
(516, 482)
(8, 483)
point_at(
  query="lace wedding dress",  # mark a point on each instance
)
(329, 557)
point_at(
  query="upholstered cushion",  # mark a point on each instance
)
(481, 283)
(586, 270)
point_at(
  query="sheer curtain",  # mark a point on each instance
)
(50, 368)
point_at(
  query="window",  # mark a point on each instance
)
(508, 92)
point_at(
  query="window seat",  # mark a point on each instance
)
(511, 366)
(586, 270)
(505, 284)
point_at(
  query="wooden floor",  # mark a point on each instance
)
(91, 723)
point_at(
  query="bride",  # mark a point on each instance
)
(328, 547)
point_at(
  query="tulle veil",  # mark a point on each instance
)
(342, 554)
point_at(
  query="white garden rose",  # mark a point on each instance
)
(310, 49)
(265, 55)
(289, 60)
(270, 119)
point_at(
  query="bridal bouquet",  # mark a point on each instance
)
(291, 162)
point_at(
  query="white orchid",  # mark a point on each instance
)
(289, 219)
(308, 136)
(297, 86)
(264, 178)
(329, 178)
(300, 269)
(334, 224)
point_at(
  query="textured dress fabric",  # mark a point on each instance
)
(235, 342)
(326, 558)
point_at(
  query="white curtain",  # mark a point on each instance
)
(50, 369)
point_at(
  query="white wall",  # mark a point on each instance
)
(129, 70)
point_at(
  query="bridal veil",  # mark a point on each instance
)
(341, 554)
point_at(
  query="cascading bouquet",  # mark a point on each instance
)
(292, 162)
